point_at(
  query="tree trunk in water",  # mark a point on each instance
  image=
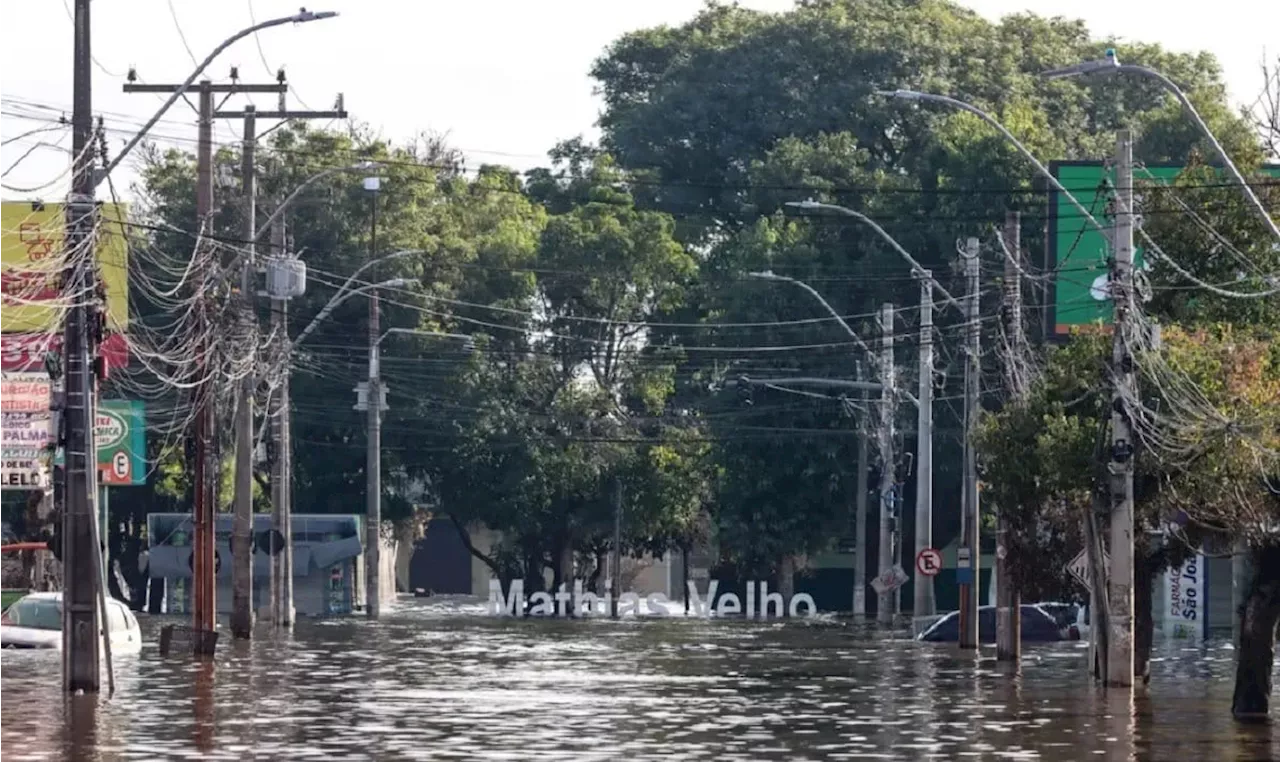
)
(595, 583)
(564, 571)
(787, 578)
(1256, 655)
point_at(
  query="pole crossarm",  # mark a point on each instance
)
(232, 89)
(342, 114)
(178, 90)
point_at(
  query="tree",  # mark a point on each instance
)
(1206, 434)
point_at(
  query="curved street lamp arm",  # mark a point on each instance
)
(289, 199)
(814, 293)
(916, 268)
(1173, 88)
(338, 298)
(296, 18)
(1026, 152)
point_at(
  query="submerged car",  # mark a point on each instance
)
(35, 621)
(1038, 626)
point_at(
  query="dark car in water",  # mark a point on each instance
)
(1038, 626)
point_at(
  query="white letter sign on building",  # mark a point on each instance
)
(1184, 600)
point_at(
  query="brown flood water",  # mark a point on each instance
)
(440, 680)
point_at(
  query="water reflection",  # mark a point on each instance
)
(438, 680)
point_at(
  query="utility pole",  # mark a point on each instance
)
(970, 550)
(924, 601)
(205, 466)
(373, 464)
(281, 599)
(242, 528)
(860, 513)
(616, 551)
(1008, 609)
(80, 623)
(1120, 467)
(887, 603)
(242, 615)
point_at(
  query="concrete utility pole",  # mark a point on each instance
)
(616, 551)
(282, 466)
(242, 534)
(242, 528)
(860, 513)
(924, 601)
(970, 551)
(80, 622)
(887, 603)
(373, 464)
(1120, 579)
(1008, 610)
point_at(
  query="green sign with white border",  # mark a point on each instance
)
(1078, 251)
(120, 432)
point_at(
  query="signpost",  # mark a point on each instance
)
(1079, 568)
(889, 580)
(27, 431)
(929, 562)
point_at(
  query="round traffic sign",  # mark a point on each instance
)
(929, 562)
(120, 465)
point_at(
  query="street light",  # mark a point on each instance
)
(344, 294)
(469, 342)
(301, 17)
(1112, 65)
(916, 269)
(314, 178)
(913, 95)
(888, 535)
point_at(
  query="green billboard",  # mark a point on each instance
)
(121, 435)
(1078, 251)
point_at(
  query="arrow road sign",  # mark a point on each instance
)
(929, 562)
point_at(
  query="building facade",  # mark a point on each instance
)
(327, 562)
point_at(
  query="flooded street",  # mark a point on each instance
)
(439, 680)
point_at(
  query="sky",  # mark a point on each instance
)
(503, 79)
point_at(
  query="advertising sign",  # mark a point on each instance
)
(1078, 251)
(32, 259)
(1184, 599)
(26, 432)
(121, 434)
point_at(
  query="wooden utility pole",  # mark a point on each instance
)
(1120, 467)
(242, 527)
(1008, 609)
(206, 467)
(970, 550)
(83, 328)
(924, 600)
(887, 602)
